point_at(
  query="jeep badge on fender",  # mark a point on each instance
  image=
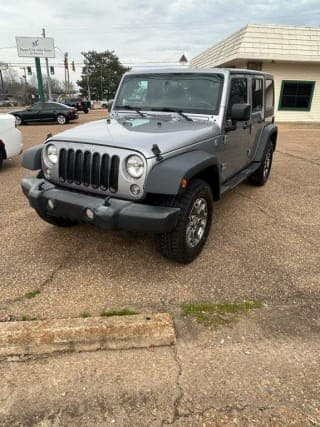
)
(175, 141)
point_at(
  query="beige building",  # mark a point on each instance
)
(291, 54)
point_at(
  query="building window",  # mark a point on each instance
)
(257, 95)
(296, 95)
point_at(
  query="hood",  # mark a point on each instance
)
(141, 133)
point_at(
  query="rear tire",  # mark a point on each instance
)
(261, 175)
(1, 162)
(187, 240)
(18, 120)
(58, 222)
(61, 119)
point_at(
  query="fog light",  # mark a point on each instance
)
(47, 173)
(135, 189)
(50, 204)
(89, 214)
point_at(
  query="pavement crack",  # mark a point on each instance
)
(40, 287)
(274, 218)
(313, 162)
(177, 400)
(261, 209)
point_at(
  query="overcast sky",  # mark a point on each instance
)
(141, 31)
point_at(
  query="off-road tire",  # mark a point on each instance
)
(261, 175)
(173, 245)
(58, 222)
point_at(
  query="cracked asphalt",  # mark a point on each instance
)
(262, 370)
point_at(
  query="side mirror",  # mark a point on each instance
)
(240, 112)
(110, 104)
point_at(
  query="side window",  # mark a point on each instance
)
(48, 107)
(269, 97)
(238, 93)
(36, 107)
(257, 95)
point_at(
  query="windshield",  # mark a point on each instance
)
(185, 92)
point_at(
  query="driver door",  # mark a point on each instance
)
(32, 114)
(236, 137)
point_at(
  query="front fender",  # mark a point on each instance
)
(166, 176)
(32, 158)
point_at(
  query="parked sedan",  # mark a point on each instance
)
(10, 138)
(46, 112)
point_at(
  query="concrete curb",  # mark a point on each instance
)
(94, 333)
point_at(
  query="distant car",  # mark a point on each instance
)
(107, 104)
(5, 103)
(78, 104)
(10, 138)
(46, 112)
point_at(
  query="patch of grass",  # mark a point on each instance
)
(32, 294)
(85, 314)
(120, 312)
(220, 313)
(26, 318)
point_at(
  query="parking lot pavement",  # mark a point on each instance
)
(264, 245)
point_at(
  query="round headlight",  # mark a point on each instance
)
(52, 154)
(135, 166)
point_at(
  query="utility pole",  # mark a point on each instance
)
(25, 83)
(66, 73)
(48, 73)
(39, 77)
(3, 67)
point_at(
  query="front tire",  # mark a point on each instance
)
(261, 175)
(61, 119)
(187, 240)
(58, 222)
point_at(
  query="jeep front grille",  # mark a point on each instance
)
(96, 170)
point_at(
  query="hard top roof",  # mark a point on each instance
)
(224, 71)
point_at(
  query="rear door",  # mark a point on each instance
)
(258, 110)
(48, 112)
(235, 155)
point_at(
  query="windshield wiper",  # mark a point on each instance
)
(172, 110)
(136, 109)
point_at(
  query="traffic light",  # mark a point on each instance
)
(29, 71)
(73, 66)
(52, 70)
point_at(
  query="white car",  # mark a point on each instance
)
(10, 138)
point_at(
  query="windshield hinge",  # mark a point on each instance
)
(156, 151)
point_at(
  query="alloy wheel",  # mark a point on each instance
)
(197, 222)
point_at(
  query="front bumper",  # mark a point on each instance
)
(110, 213)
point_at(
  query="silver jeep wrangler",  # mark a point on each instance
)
(175, 141)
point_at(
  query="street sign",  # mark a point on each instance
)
(3, 66)
(40, 47)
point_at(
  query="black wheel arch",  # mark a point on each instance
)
(166, 176)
